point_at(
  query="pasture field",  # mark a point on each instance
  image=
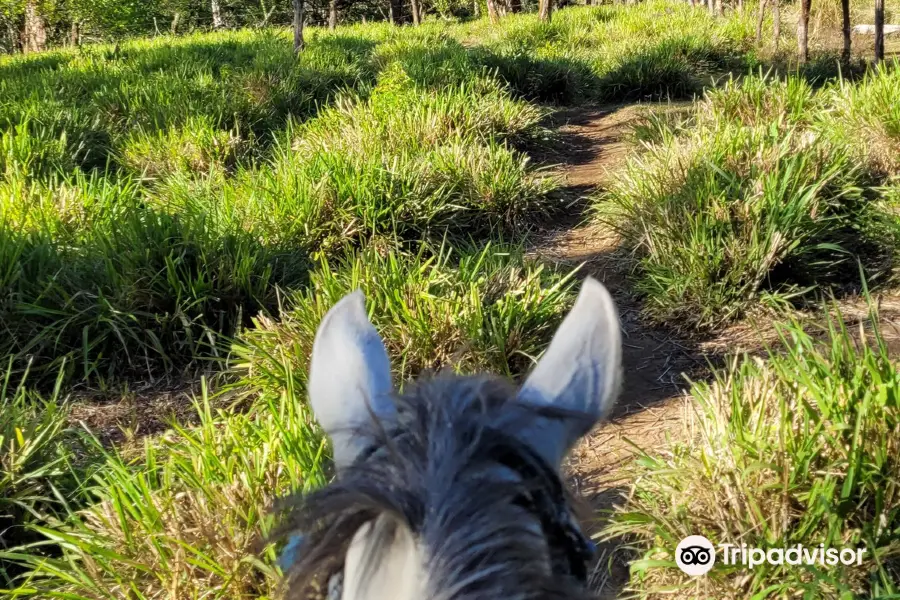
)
(178, 213)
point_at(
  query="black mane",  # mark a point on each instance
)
(464, 487)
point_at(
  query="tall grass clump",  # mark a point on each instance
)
(616, 53)
(800, 448)
(38, 456)
(204, 211)
(240, 81)
(470, 310)
(94, 272)
(189, 517)
(748, 203)
(404, 163)
(865, 118)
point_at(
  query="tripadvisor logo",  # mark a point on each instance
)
(696, 555)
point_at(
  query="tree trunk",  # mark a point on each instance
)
(879, 30)
(35, 34)
(298, 26)
(545, 10)
(175, 18)
(803, 31)
(776, 21)
(845, 18)
(762, 17)
(493, 11)
(476, 8)
(711, 5)
(75, 34)
(216, 14)
(720, 5)
(332, 14)
(414, 6)
(396, 12)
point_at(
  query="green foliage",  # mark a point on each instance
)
(608, 53)
(748, 201)
(191, 513)
(865, 119)
(206, 206)
(801, 448)
(188, 516)
(38, 471)
(175, 199)
(474, 311)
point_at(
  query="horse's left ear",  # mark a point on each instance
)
(349, 378)
(579, 372)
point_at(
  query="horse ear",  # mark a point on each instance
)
(580, 372)
(350, 378)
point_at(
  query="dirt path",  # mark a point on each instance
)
(595, 144)
(650, 410)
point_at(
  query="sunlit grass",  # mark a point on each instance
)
(753, 199)
(799, 448)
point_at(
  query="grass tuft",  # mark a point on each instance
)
(799, 449)
(747, 202)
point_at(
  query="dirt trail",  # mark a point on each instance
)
(594, 146)
(651, 406)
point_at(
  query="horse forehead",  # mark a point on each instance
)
(383, 562)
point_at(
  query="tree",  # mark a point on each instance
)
(845, 21)
(34, 38)
(494, 10)
(414, 8)
(217, 21)
(803, 31)
(776, 21)
(759, 21)
(395, 11)
(545, 10)
(879, 30)
(298, 26)
(332, 14)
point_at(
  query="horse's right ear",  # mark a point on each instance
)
(349, 378)
(580, 372)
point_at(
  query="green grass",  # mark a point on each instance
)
(608, 54)
(188, 516)
(40, 471)
(125, 272)
(192, 511)
(154, 197)
(754, 199)
(473, 311)
(799, 448)
(865, 119)
(204, 200)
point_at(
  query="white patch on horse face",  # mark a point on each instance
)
(373, 572)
